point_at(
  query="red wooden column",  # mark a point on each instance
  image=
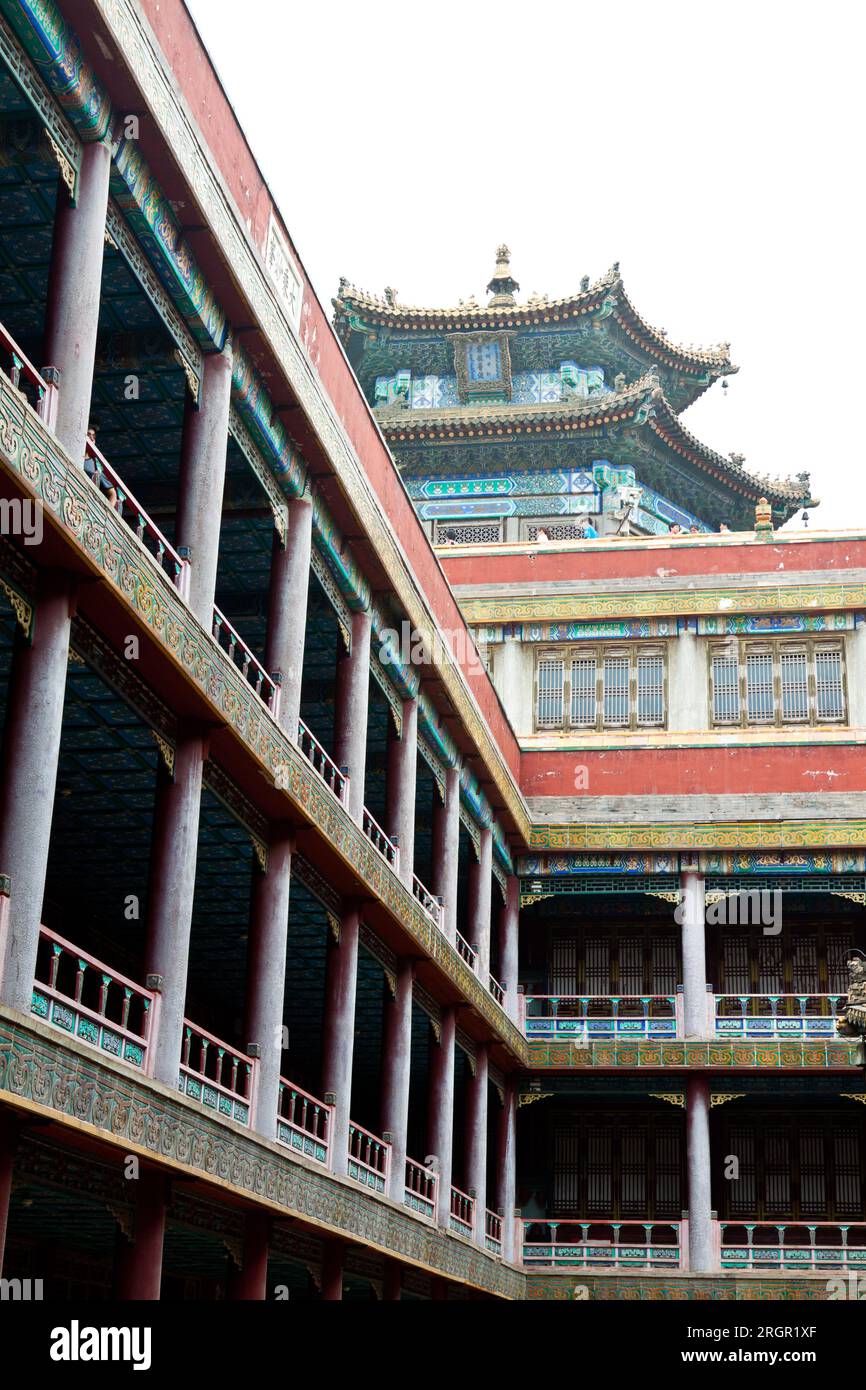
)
(341, 978)
(332, 1271)
(446, 848)
(352, 697)
(476, 1138)
(31, 748)
(506, 1167)
(396, 1062)
(74, 291)
(9, 1130)
(392, 1283)
(287, 609)
(509, 923)
(440, 1121)
(250, 1282)
(138, 1268)
(171, 888)
(480, 880)
(202, 477)
(400, 791)
(266, 975)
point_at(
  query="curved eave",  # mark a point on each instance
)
(606, 296)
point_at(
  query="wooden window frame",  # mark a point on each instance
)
(739, 649)
(568, 653)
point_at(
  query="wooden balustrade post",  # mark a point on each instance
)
(74, 293)
(440, 1141)
(202, 476)
(341, 975)
(171, 887)
(287, 609)
(266, 975)
(31, 749)
(400, 791)
(351, 701)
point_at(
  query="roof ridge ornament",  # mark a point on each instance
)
(502, 284)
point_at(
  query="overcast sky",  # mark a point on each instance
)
(715, 151)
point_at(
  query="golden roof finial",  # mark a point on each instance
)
(502, 285)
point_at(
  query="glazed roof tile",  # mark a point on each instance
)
(609, 292)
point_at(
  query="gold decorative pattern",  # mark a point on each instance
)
(22, 609)
(260, 850)
(722, 1097)
(166, 750)
(529, 1097)
(670, 1097)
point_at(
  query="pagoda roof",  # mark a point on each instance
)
(607, 296)
(641, 404)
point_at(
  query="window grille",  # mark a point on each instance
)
(759, 687)
(777, 684)
(813, 1187)
(468, 533)
(583, 695)
(556, 530)
(650, 690)
(726, 690)
(804, 962)
(846, 1154)
(616, 702)
(829, 691)
(549, 705)
(839, 946)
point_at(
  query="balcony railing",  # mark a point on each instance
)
(799, 1245)
(369, 1159)
(607, 1244)
(776, 1015)
(324, 765)
(130, 509)
(432, 905)
(42, 389)
(86, 999)
(304, 1123)
(380, 841)
(462, 1212)
(497, 990)
(216, 1075)
(493, 1232)
(246, 661)
(421, 1189)
(466, 951)
(585, 1017)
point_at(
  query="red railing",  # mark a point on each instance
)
(462, 1212)
(217, 1076)
(421, 1189)
(327, 769)
(432, 905)
(380, 841)
(497, 990)
(246, 660)
(466, 951)
(80, 995)
(493, 1231)
(137, 519)
(44, 388)
(303, 1122)
(369, 1159)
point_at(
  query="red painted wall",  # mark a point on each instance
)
(693, 771)
(661, 560)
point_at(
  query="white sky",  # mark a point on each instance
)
(716, 151)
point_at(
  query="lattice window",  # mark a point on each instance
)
(583, 692)
(770, 965)
(650, 690)
(777, 683)
(846, 1164)
(616, 680)
(468, 532)
(556, 530)
(759, 687)
(744, 1192)
(634, 1173)
(795, 685)
(795, 1171)
(726, 689)
(804, 961)
(735, 962)
(663, 955)
(599, 1177)
(564, 965)
(838, 947)
(829, 687)
(598, 972)
(777, 1170)
(631, 965)
(617, 1170)
(813, 1173)
(550, 686)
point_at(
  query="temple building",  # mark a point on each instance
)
(405, 892)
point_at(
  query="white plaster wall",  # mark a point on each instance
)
(688, 699)
(855, 668)
(512, 678)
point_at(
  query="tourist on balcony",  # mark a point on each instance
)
(694, 530)
(541, 537)
(724, 528)
(95, 473)
(676, 529)
(586, 530)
